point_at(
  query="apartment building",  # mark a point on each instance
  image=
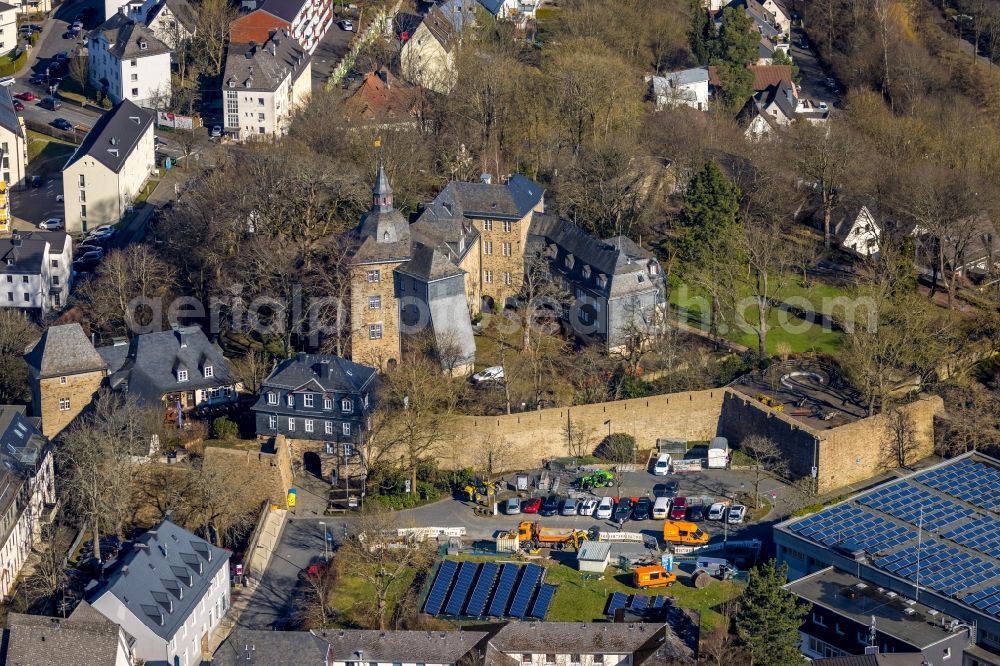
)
(108, 170)
(307, 21)
(13, 141)
(263, 84)
(129, 62)
(35, 270)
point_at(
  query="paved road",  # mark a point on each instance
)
(812, 75)
(335, 44)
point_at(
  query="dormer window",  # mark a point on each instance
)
(272, 398)
(586, 272)
(209, 371)
(290, 400)
(346, 405)
(602, 281)
(143, 45)
(570, 260)
(182, 375)
(385, 236)
(654, 268)
(307, 400)
(327, 403)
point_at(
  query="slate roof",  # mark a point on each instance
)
(440, 647)
(264, 66)
(511, 200)
(29, 250)
(163, 577)
(115, 136)
(340, 376)
(283, 9)
(34, 640)
(9, 119)
(441, 28)
(589, 638)
(384, 232)
(63, 350)
(880, 659)
(273, 648)
(623, 262)
(492, 6)
(782, 96)
(429, 264)
(21, 441)
(5, 7)
(124, 35)
(148, 364)
(439, 227)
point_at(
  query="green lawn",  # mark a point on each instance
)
(351, 594)
(47, 155)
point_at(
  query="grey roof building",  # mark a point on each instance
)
(384, 233)
(274, 648)
(129, 38)
(169, 367)
(63, 350)
(114, 136)
(263, 67)
(80, 640)
(167, 592)
(9, 119)
(634, 642)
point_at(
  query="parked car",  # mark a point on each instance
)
(36, 181)
(62, 56)
(36, 79)
(803, 43)
(550, 506)
(623, 510)
(696, 513)
(531, 505)
(661, 508)
(737, 513)
(662, 465)
(347, 25)
(642, 509)
(52, 104)
(494, 373)
(587, 507)
(7, 81)
(823, 106)
(314, 571)
(27, 96)
(216, 131)
(62, 123)
(604, 509)
(51, 224)
(678, 508)
(668, 489)
(101, 233)
(569, 507)
(18, 106)
(91, 257)
(717, 511)
(512, 507)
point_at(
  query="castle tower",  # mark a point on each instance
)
(384, 244)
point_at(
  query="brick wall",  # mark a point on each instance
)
(80, 389)
(376, 353)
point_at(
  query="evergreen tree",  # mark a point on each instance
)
(699, 32)
(782, 58)
(769, 618)
(737, 40)
(708, 216)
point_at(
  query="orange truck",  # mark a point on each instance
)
(684, 532)
(653, 576)
(532, 535)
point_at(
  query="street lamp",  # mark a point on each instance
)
(326, 542)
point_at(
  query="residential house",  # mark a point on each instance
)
(873, 658)
(427, 58)
(847, 616)
(27, 490)
(178, 370)
(587, 644)
(8, 27)
(764, 77)
(688, 87)
(169, 592)
(85, 638)
(499, 9)
(323, 404)
(129, 62)
(109, 169)
(857, 233)
(780, 14)
(776, 107)
(617, 287)
(13, 143)
(307, 21)
(35, 270)
(263, 84)
(33, 6)
(66, 373)
(341, 647)
(385, 101)
(173, 22)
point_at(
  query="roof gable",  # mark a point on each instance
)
(115, 136)
(64, 350)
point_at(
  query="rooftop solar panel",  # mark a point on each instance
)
(459, 592)
(542, 602)
(504, 590)
(481, 592)
(525, 590)
(442, 583)
(659, 602)
(639, 602)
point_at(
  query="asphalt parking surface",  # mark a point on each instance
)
(331, 49)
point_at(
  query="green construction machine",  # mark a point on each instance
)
(601, 478)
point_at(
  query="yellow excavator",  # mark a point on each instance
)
(482, 493)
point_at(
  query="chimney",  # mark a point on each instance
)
(486, 178)
(383, 74)
(182, 338)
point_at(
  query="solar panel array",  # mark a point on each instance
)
(940, 567)
(638, 603)
(475, 590)
(844, 523)
(975, 482)
(987, 599)
(916, 505)
(983, 534)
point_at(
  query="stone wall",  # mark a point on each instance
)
(522, 441)
(79, 389)
(743, 416)
(376, 353)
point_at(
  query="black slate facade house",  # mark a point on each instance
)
(322, 403)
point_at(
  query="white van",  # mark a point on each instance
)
(662, 466)
(661, 507)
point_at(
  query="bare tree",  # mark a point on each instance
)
(79, 69)
(766, 458)
(16, 333)
(901, 445)
(223, 501)
(824, 155)
(48, 571)
(253, 368)
(215, 18)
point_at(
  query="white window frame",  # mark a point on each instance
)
(290, 400)
(182, 375)
(309, 425)
(375, 331)
(345, 428)
(291, 424)
(328, 427)
(64, 404)
(375, 302)
(272, 398)
(346, 405)
(209, 371)
(327, 403)
(272, 422)
(307, 400)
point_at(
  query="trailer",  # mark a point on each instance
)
(718, 453)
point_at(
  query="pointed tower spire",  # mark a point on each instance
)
(382, 192)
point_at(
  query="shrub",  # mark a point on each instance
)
(106, 104)
(617, 447)
(223, 428)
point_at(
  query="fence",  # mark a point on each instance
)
(73, 136)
